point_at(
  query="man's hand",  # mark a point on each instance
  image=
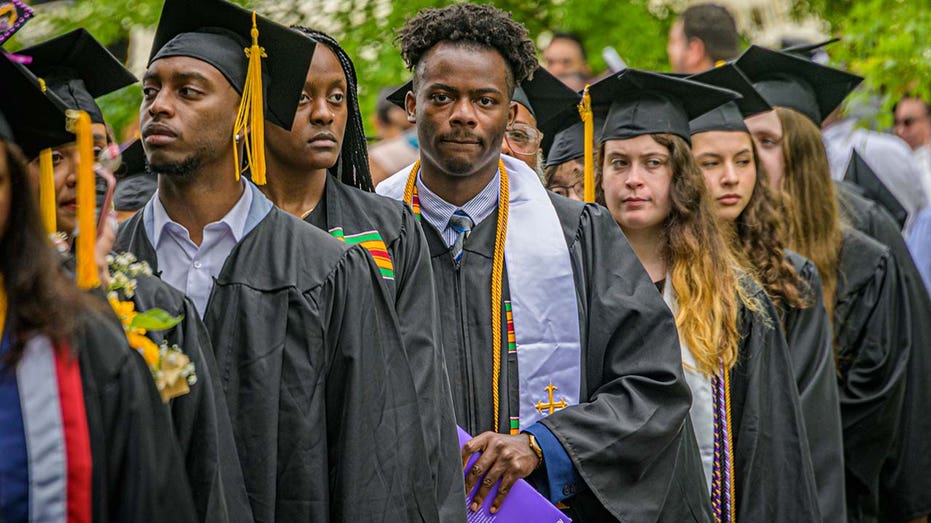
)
(504, 457)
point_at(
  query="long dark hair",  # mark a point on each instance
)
(352, 168)
(761, 242)
(40, 298)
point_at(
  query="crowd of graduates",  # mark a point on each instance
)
(653, 296)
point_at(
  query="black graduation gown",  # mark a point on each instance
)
(200, 418)
(411, 292)
(811, 346)
(629, 439)
(138, 471)
(871, 363)
(773, 475)
(905, 483)
(319, 391)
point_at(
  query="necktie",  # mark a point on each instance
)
(461, 223)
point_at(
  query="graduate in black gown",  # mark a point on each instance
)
(79, 69)
(319, 171)
(563, 359)
(319, 390)
(862, 288)
(725, 152)
(83, 435)
(734, 354)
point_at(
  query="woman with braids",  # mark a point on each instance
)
(319, 172)
(860, 278)
(563, 360)
(726, 154)
(745, 409)
(83, 433)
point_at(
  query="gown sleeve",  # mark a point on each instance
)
(378, 462)
(417, 307)
(811, 346)
(625, 434)
(139, 474)
(774, 478)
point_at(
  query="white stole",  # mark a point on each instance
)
(542, 292)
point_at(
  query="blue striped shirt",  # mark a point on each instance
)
(437, 211)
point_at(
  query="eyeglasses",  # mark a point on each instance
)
(568, 190)
(523, 139)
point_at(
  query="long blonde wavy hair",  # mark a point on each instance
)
(703, 272)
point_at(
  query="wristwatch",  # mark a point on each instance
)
(535, 447)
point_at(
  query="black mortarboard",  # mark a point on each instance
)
(132, 159)
(861, 175)
(730, 116)
(568, 142)
(77, 68)
(218, 32)
(34, 120)
(787, 80)
(806, 49)
(545, 96)
(643, 102)
(398, 96)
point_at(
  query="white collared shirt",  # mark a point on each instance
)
(437, 211)
(190, 268)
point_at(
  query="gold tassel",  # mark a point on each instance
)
(47, 197)
(250, 120)
(87, 276)
(588, 121)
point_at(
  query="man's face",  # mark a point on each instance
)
(187, 115)
(462, 107)
(65, 167)
(316, 138)
(677, 47)
(563, 57)
(912, 122)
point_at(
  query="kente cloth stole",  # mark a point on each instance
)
(372, 242)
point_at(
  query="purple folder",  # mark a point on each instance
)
(523, 504)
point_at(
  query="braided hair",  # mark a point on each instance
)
(352, 167)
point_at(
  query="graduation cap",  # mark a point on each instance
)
(253, 53)
(787, 80)
(807, 50)
(132, 159)
(861, 175)
(33, 120)
(78, 69)
(218, 32)
(643, 102)
(730, 116)
(13, 15)
(568, 142)
(398, 96)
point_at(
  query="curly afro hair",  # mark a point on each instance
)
(470, 24)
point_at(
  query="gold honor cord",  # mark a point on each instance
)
(588, 121)
(730, 445)
(250, 119)
(47, 198)
(80, 125)
(497, 271)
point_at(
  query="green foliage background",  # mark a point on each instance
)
(887, 41)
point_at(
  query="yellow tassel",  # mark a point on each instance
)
(588, 121)
(47, 191)
(250, 120)
(87, 276)
(47, 185)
